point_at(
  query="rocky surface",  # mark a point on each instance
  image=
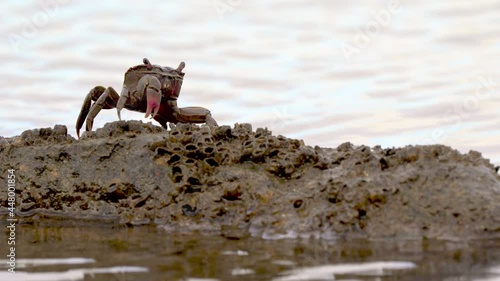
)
(237, 182)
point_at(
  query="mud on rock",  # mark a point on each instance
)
(237, 182)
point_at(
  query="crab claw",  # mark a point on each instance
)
(153, 102)
(150, 85)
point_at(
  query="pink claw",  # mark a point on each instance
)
(153, 105)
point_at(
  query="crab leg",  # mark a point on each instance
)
(102, 102)
(105, 98)
(93, 94)
(195, 114)
(122, 100)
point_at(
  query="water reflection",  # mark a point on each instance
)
(72, 274)
(97, 252)
(330, 272)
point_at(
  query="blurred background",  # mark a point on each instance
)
(387, 73)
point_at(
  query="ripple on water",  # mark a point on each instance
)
(72, 274)
(328, 272)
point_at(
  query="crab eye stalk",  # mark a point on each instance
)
(181, 66)
(147, 63)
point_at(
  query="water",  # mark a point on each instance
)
(105, 252)
(372, 73)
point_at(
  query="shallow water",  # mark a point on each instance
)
(103, 252)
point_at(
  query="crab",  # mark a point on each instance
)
(147, 88)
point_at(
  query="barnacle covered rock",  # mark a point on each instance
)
(205, 179)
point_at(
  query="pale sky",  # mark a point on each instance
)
(391, 73)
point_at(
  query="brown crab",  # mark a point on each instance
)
(148, 88)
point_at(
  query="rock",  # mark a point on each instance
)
(236, 181)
